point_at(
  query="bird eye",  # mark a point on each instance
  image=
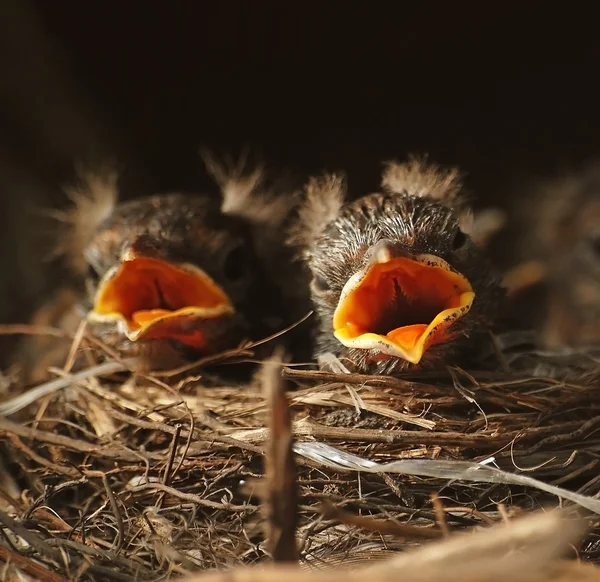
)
(319, 285)
(460, 238)
(235, 266)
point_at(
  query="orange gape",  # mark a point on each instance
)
(150, 286)
(170, 327)
(424, 290)
(144, 317)
(405, 304)
(158, 300)
(407, 336)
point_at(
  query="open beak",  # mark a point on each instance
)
(154, 299)
(401, 305)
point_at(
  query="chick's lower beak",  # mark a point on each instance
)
(154, 299)
(401, 305)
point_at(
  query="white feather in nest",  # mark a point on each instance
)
(481, 472)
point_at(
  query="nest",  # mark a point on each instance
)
(111, 474)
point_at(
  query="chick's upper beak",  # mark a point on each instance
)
(401, 304)
(151, 298)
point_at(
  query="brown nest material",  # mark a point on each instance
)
(115, 475)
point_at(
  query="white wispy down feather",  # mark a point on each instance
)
(418, 177)
(324, 198)
(93, 197)
(467, 221)
(244, 192)
(484, 224)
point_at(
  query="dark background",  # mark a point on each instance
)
(503, 90)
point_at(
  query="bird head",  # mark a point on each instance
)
(176, 267)
(397, 280)
(169, 267)
(563, 242)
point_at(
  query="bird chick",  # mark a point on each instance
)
(561, 245)
(186, 271)
(396, 279)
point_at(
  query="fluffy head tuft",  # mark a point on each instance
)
(324, 199)
(93, 196)
(244, 192)
(417, 177)
(267, 204)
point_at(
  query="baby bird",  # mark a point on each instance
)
(396, 279)
(562, 245)
(195, 273)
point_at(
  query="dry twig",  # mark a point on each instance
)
(280, 499)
